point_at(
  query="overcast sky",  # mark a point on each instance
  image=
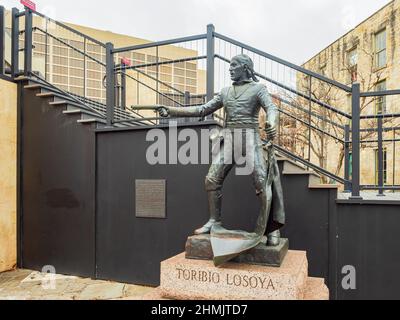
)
(294, 30)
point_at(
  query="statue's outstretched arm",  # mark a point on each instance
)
(199, 111)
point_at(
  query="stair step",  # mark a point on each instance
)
(46, 94)
(324, 186)
(72, 111)
(91, 120)
(51, 92)
(87, 120)
(58, 103)
(33, 86)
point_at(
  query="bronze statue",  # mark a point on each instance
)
(242, 103)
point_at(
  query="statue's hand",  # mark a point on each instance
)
(163, 112)
(270, 131)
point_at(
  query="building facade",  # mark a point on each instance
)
(370, 55)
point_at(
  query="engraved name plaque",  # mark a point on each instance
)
(151, 199)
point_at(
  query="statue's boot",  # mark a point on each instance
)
(214, 207)
(274, 239)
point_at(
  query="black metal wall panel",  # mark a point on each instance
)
(57, 187)
(367, 240)
(308, 222)
(130, 249)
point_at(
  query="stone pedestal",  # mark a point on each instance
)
(199, 248)
(186, 279)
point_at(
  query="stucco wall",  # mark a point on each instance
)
(8, 175)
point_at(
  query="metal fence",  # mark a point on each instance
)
(325, 125)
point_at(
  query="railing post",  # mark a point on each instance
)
(2, 39)
(123, 87)
(84, 63)
(116, 90)
(355, 133)
(309, 116)
(210, 62)
(110, 83)
(14, 42)
(186, 102)
(28, 42)
(381, 181)
(347, 185)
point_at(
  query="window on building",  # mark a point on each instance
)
(191, 66)
(380, 49)
(380, 104)
(384, 166)
(352, 64)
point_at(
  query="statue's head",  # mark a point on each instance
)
(242, 68)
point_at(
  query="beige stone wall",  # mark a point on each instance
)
(8, 175)
(333, 62)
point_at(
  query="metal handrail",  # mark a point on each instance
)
(149, 87)
(380, 116)
(154, 64)
(70, 29)
(281, 61)
(157, 80)
(322, 104)
(307, 111)
(310, 165)
(311, 126)
(380, 93)
(160, 43)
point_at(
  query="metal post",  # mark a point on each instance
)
(84, 67)
(380, 157)
(355, 133)
(186, 103)
(46, 56)
(2, 38)
(186, 98)
(110, 80)
(28, 42)
(157, 76)
(347, 186)
(394, 157)
(280, 128)
(117, 87)
(15, 43)
(123, 87)
(309, 117)
(210, 62)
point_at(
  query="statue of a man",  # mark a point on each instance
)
(242, 102)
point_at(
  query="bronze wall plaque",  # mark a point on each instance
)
(151, 199)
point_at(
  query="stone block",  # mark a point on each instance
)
(199, 248)
(186, 279)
